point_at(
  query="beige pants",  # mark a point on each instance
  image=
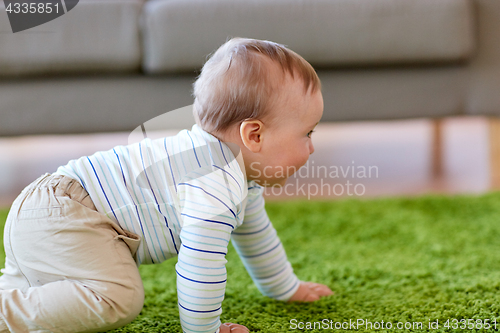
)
(68, 268)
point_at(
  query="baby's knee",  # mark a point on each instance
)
(134, 309)
(121, 308)
(71, 306)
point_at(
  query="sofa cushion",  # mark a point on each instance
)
(85, 104)
(96, 35)
(178, 34)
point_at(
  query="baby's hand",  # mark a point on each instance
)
(233, 328)
(310, 292)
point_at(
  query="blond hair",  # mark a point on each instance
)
(235, 83)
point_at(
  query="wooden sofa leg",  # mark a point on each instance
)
(494, 138)
(437, 149)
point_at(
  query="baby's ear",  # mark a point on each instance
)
(250, 132)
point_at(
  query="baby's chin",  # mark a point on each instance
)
(272, 182)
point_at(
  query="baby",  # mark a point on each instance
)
(74, 239)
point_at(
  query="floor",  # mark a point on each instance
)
(361, 159)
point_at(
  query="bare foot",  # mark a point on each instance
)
(233, 328)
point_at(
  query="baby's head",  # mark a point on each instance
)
(266, 99)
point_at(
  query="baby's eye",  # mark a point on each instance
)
(310, 133)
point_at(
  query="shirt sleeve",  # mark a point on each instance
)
(210, 204)
(261, 251)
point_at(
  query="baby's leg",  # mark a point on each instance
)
(68, 267)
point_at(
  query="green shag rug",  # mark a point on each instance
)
(428, 264)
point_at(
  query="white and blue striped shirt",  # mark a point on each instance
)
(187, 196)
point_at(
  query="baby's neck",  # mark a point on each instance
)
(233, 140)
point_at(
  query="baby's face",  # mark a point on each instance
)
(286, 142)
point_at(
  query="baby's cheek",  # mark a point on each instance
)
(303, 159)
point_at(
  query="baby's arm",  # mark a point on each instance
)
(209, 213)
(260, 249)
(262, 253)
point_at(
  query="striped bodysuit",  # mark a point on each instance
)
(187, 196)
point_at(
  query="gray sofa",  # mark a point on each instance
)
(110, 65)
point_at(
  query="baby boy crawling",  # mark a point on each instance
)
(74, 238)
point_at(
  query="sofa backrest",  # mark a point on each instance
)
(162, 36)
(96, 36)
(178, 34)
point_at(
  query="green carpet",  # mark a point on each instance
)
(400, 261)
